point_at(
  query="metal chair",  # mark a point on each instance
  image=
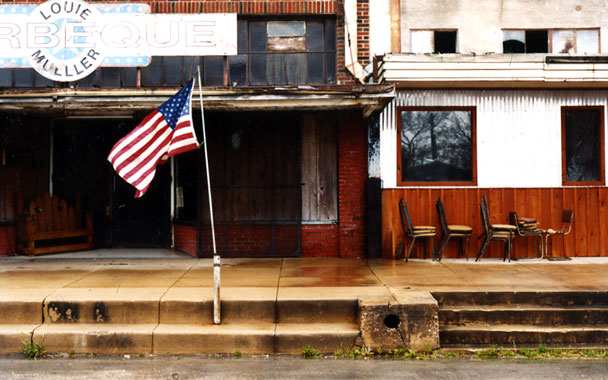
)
(449, 231)
(501, 232)
(524, 228)
(413, 232)
(567, 216)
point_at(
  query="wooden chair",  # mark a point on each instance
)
(528, 228)
(449, 231)
(413, 232)
(500, 232)
(567, 217)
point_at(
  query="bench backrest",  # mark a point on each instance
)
(53, 214)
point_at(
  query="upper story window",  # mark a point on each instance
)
(555, 41)
(276, 52)
(433, 41)
(583, 145)
(436, 146)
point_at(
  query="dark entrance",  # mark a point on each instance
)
(256, 184)
(80, 148)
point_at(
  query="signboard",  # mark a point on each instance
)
(67, 40)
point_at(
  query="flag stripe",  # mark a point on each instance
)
(134, 147)
(133, 136)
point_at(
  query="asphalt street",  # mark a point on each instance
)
(273, 367)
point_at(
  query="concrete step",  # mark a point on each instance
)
(558, 298)
(526, 315)
(13, 335)
(505, 335)
(325, 337)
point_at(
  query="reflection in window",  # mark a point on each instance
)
(436, 145)
(583, 144)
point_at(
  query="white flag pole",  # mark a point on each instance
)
(216, 256)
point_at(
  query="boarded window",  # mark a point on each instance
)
(582, 137)
(433, 41)
(437, 145)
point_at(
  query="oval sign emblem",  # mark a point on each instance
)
(61, 40)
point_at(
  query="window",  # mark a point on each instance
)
(583, 145)
(433, 41)
(436, 146)
(556, 41)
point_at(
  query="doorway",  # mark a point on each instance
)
(80, 149)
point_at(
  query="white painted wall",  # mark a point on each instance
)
(518, 132)
(379, 27)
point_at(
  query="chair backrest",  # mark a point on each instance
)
(567, 216)
(441, 214)
(406, 221)
(514, 220)
(485, 215)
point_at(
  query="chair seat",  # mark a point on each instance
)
(427, 228)
(504, 227)
(423, 233)
(551, 231)
(459, 229)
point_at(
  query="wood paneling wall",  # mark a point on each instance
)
(588, 236)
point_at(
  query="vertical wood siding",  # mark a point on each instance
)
(588, 236)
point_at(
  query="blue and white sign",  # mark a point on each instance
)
(67, 40)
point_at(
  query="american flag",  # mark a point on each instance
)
(165, 132)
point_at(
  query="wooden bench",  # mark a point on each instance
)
(49, 225)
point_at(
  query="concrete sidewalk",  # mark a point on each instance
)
(156, 301)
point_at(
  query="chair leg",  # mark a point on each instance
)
(466, 239)
(400, 250)
(409, 251)
(437, 253)
(483, 247)
(432, 250)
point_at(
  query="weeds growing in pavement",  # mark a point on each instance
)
(32, 349)
(309, 352)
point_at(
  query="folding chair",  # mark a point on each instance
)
(567, 217)
(451, 230)
(413, 232)
(500, 232)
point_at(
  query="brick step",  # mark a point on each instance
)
(505, 335)
(525, 315)
(559, 298)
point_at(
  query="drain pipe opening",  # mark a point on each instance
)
(392, 321)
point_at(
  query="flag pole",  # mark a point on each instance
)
(216, 256)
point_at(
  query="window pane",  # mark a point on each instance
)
(110, 77)
(41, 81)
(214, 71)
(436, 146)
(242, 36)
(276, 70)
(172, 69)
(257, 69)
(190, 66)
(129, 76)
(238, 70)
(563, 42)
(296, 68)
(513, 41)
(582, 145)
(537, 41)
(421, 41)
(90, 80)
(151, 74)
(6, 77)
(445, 42)
(286, 29)
(315, 68)
(330, 35)
(24, 77)
(314, 36)
(257, 37)
(587, 41)
(330, 67)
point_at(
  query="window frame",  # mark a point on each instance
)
(602, 175)
(473, 181)
(456, 43)
(550, 38)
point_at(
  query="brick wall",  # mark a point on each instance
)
(185, 239)
(7, 241)
(352, 174)
(320, 240)
(363, 31)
